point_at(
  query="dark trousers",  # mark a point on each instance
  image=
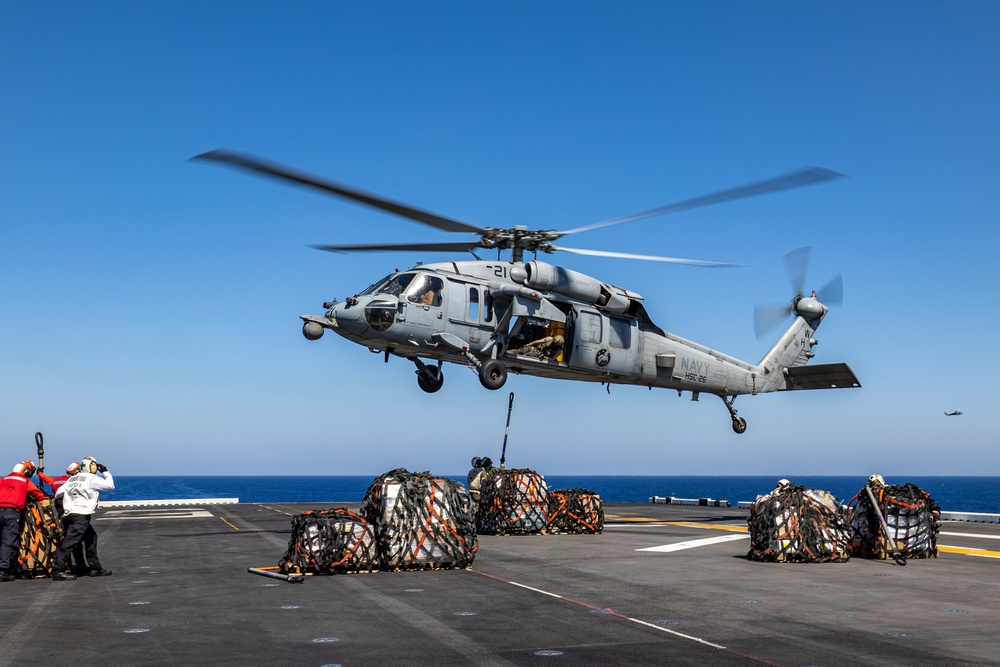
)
(79, 564)
(78, 530)
(10, 527)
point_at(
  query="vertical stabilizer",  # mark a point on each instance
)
(794, 348)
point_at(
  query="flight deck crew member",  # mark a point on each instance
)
(56, 482)
(80, 495)
(79, 562)
(474, 479)
(14, 491)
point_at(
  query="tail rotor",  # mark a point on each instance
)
(767, 316)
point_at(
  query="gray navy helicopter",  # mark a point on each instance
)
(534, 318)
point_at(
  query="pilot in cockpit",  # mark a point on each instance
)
(428, 293)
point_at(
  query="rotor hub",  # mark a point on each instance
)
(810, 308)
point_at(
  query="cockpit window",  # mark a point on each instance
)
(393, 285)
(376, 286)
(425, 290)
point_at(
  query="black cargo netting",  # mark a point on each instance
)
(421, 522)
(512, 502)
(796, 524)
(912, 516)
(41, 534)
(331, 541)
(575, 511)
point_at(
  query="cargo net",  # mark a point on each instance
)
(41, 534)
(421, 522)
(512, 502)
(796, 524)
(331, 541)
(913, 518)
(575, 511)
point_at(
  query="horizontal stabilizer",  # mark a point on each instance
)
(822, 376)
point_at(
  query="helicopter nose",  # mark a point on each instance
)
(349, 316)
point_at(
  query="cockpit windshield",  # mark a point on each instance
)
(391, 285)
(419, 287)
(375, 286)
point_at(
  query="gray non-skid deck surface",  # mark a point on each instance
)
(181, 595)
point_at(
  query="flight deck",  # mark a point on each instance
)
(663, 584)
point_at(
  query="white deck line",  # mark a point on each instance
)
(167, 503)
(691, 544)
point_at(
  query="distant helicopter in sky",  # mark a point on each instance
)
(953, 413)
(534, 318)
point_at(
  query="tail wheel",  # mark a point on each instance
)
(493, 374)
(739, 424)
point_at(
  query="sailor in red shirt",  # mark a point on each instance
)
(14, 491)
(56, 482)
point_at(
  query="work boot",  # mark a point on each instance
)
(100, 573)
(63, 576)
(7, 576)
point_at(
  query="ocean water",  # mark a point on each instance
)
(955, 494)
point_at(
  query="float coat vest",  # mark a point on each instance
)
(78, 497)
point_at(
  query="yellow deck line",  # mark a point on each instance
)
(229, 524)
(633, 519)
(709, 526)
(985, 553)
(965, 551)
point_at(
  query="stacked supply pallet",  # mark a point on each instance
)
(575, 511)
(421, 521)
(796, 524)
(512, 502)
(331, 541)
(912, 521)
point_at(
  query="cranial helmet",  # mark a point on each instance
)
(73, 468)
(26, 468)
(487, 462)
(477, 462)
(88, 464)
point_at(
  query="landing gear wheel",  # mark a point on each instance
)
(739, 424)
(430, 378)
(493, 374)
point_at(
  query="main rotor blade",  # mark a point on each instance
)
(281, 172)
(467, 246)
(806, 176)
(651, 258)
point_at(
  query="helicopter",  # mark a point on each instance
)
(953, 413)
(539, 319)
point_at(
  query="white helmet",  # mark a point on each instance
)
(26, 468)
(88, 464)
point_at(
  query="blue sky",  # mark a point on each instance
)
(150, 304)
